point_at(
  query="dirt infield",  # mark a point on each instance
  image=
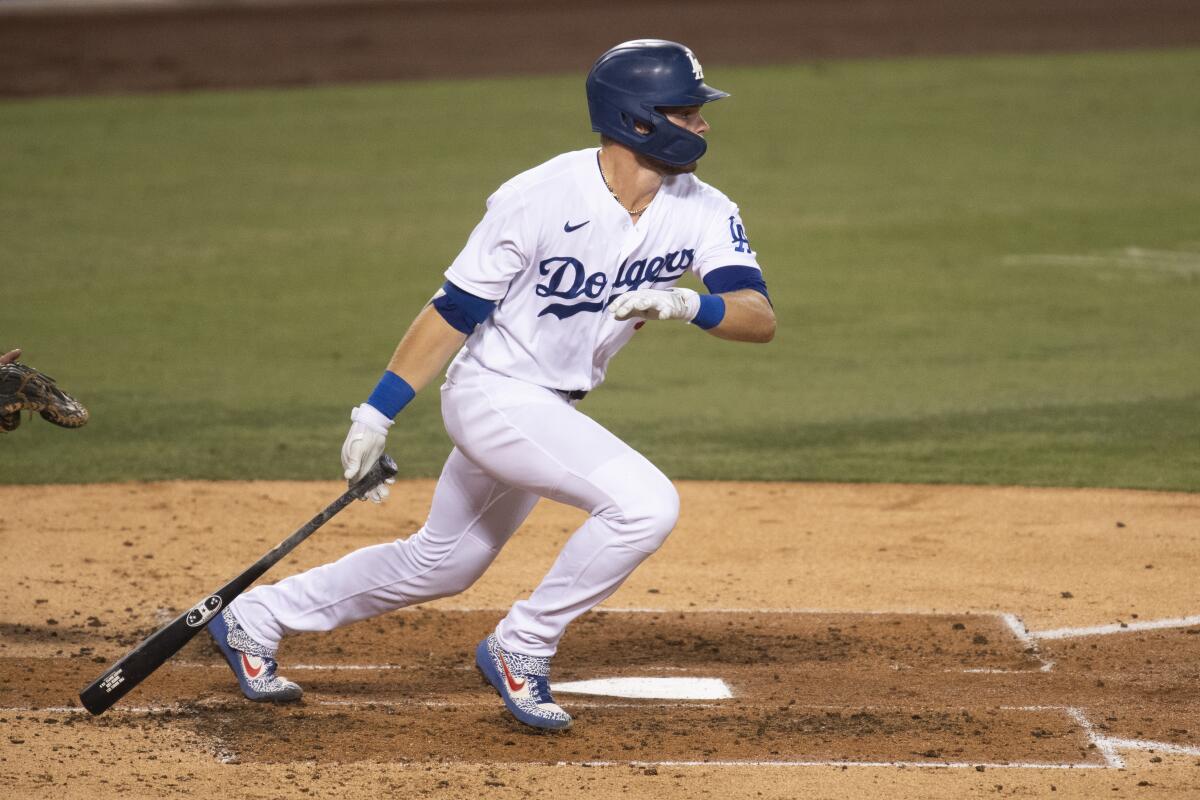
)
(876, 641)
(48, 49)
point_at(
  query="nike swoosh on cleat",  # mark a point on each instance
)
(250, 669)
(569, 228)
(512, 684)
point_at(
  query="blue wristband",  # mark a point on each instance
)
(391, 394)
(712, 311)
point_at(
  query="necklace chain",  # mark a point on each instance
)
(608, 186)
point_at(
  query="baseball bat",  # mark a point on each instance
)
(141, 661)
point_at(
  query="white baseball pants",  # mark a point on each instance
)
(515, 442)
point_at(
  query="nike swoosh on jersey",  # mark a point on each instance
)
(569, 228)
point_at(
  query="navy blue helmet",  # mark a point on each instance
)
(632, 81)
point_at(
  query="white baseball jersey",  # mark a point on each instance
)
(554, 249)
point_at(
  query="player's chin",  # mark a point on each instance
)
(686, 169)
(663, 168)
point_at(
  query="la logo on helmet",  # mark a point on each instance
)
(697, 70)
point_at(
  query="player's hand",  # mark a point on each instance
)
(676, 303)
(10, 356)
(363, 447)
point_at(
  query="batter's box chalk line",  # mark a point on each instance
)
(1118, 628)
(1018, 629)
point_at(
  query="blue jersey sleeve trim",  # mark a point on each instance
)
(730, 279)
(462, 310)
(391, 394)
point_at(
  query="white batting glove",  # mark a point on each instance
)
(675, 303)
(363, 447)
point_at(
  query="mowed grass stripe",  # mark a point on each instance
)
(222, 275)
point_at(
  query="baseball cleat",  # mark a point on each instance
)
(252, 663)
(523, 682)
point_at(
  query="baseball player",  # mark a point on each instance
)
(571, 258)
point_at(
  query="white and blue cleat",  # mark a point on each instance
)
(252, 663)
(523, 682)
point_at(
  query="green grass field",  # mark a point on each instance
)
(985, 270)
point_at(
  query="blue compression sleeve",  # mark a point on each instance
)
(462, 310)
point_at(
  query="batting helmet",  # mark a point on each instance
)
(632, 81)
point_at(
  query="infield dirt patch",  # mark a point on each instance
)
(853, 625)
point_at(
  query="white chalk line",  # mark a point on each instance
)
(854, 612)
(1018, 629)
(384, 667)
(79, 710)
(1104, 745)
(1160, 747)
(467, 668)
(196, 708)
(834, 763)
(1117, 628)
(366, 703)
(333, 667)
(1109, 746)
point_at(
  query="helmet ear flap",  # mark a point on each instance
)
(633, 124)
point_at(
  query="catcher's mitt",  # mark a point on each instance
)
(23, 388)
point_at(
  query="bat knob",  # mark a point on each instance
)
(387, 467)
(384, 469)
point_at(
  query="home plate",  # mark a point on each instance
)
(649, 688)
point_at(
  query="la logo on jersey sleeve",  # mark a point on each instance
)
(737, 235)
